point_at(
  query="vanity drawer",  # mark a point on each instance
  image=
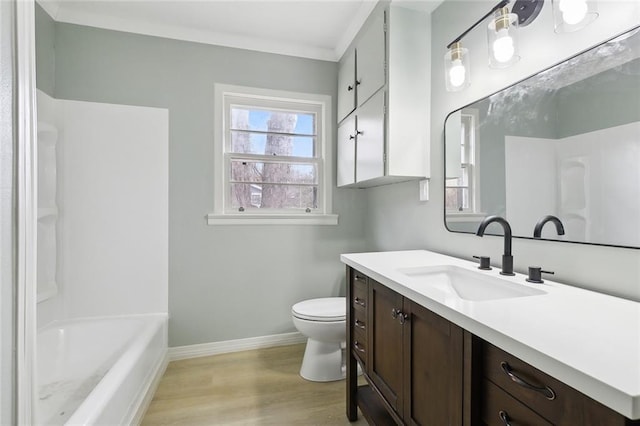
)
(360, 291)
(360, 345)
(500, 409)
(360, 322)
(552, 399)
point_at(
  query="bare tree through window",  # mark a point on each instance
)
(274, 164)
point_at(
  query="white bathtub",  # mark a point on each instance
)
(99, 371)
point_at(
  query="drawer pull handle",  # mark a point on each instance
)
(357, 277)
(504, 417)
(359, 348)
(403, 318)
(359, 301)
(395, 312)
(360, 324)
(546, 390)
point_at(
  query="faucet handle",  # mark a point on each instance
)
(484, 262)
(535, 274)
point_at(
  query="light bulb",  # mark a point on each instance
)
(503, 47)
(573, 11)
(457, 73)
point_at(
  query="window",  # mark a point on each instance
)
(272, 157)
(462, 191)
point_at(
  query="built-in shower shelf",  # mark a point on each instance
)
(46, 212)
(47, 133)
(47, 290)
(47, 246)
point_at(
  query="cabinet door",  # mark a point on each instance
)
(385, 343)
(370, 65)
(347, 85)
(433, 368)
(370, 139)
(346, 152)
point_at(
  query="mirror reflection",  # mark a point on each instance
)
(564, 143)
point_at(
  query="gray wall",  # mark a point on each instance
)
(399, 221)
(225, 282)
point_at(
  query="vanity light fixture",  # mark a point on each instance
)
(572, 15)
(502, 37)
(456, 60)
(456, 67)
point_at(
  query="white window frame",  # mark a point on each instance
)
(474, 210)
(224, 96)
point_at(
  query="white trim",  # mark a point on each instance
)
(229, 346)
(357, 21)
(27, 214)
(464, 217)
(141, 404)
(325, 215)
(271, 219)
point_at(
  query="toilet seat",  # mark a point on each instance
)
(326, 309)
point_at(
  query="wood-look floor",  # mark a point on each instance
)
(259, 387)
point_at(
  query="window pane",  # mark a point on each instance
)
(247, 118)
(273, 172)
(456, 199)
(273, 196)
(267, 144)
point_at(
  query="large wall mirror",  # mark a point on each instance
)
(565, 142)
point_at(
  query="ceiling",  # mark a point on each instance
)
(318, 29)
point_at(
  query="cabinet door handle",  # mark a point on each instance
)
(403, 318)
(349, 88)
(352, 137)
(395, 312)
(360, 324)
(359, 348)
(504, 417)
(359, 301)
(358, 82)
(356, 277)
(544, 390)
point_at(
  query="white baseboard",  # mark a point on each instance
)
(140, 406)
(228, 346)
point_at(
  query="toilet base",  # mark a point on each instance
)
(322, 362)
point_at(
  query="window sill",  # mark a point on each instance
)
(271, 219)
(464, 216)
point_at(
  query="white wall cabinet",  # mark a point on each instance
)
(347, 85)
(347, 152)
(370, 139)
(370, 59)
(387, 66)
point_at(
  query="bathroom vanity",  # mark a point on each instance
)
(441, 342)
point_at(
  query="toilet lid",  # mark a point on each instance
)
(324, 309)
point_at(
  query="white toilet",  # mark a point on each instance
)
(323, 321)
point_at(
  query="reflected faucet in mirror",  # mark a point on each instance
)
(537, 231)
(507, 258)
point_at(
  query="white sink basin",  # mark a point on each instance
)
(466, 284)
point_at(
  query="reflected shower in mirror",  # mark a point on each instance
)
(565, 143)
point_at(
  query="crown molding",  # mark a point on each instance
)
(63, 13)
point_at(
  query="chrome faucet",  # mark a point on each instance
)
(507, 258)
(537, 231)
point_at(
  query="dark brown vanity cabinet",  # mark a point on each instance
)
(412, 359)
(518, 393)
(421, 369)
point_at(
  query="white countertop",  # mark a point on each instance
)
(588, 340)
